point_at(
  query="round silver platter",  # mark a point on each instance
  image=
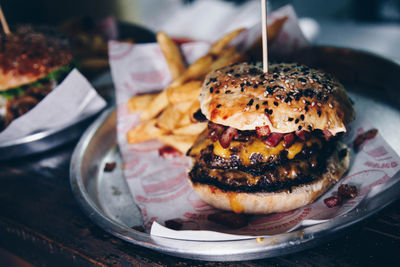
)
(104, 196)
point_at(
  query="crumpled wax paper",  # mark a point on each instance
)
(71, 101)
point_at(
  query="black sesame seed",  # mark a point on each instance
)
(242, 89)
(319, 113)
(276, 103)
(217, 92)
(211, 89)
(309, 127)
(296, 121)
(290, 119)
(306, 108)
(308, 92)
(287, 99)
(294, 73)
(302, 117)
(286, 69)
(250, 102)
(319, 96)
(265, 103)
(228, 91)
(270, 111)
(302, 80)
(242, 84)
(257, 106)
(219, 105)
(275, 76)
(213, 79)
(266, 111)
(237, 75)
(299, 128)
(326, 98)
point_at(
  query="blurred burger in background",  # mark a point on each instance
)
(33, 61)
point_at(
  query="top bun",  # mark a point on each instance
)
(29, 54)
(290, 97)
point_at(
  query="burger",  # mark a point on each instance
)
(273, 141)
(32, 62)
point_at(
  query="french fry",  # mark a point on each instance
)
(196, 71)
(147, 130)
(155, 106)
(228, 57)
(184, 93)
(180, 142)
(172, 55)
(223, 42)
(170, 117)
(185, 120)
(190, 129)
(140, 102)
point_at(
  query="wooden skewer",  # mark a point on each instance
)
(3, 20)
(264, 34)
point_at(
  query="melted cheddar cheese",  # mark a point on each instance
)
(247, 149)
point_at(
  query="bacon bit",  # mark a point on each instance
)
(215, 131)
(227, 136)
(110, 166)
(229, 219)
(273, 139)
(167, 151)
(360, 139)
(327, 134)
(303, 134)
(263, 131)
(332, 201)
(173, 224)
(288, 140)
(346, 191)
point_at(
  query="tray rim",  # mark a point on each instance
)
(311, 235)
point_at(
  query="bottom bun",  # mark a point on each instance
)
(264, 203)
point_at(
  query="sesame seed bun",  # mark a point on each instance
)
(29, 54)
(290, 97)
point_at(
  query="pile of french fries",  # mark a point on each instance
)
(168, 115)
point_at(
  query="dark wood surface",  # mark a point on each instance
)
(41, 222)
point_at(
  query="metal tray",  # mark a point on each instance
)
(106, 199)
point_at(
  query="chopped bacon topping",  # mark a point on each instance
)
(327, 134)
(288, 140)
(227, 136)
(333, 201)
(360, 139)
(344, 192)
(263, 131)
(273, 139)
(303, 135)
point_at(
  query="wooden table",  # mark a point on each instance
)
(41, 222)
